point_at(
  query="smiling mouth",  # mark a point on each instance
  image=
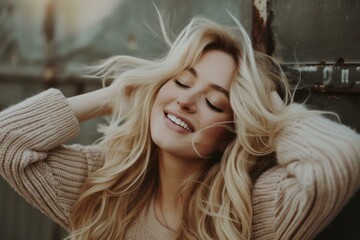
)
(178, 122)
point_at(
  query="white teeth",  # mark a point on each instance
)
(178, 122)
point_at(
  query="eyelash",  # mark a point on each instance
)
(216, 109)
(180, 84)
(206, 100)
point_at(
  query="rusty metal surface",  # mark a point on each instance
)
(262, 36)
(326, 77)
(309, 31)
(270, 33)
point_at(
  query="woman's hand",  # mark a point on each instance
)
(99, 102)
(276, 101)
(93, 104)
(113, 99)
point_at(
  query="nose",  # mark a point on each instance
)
(187, 103)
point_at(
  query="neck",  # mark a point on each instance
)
(172, 173)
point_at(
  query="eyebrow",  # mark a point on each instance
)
(212, 85)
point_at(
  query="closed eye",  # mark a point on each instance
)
(180, 84)
(213, 107)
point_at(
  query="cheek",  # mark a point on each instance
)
(208, 119)
(161, 97)
(213, 133)
(212, 136)
(166, 90)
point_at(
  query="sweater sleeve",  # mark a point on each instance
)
(33, 159)
(318, 171)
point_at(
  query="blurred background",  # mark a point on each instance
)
(43, 43)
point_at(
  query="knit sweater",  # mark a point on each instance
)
(318, 170)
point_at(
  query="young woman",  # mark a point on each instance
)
(199, 146)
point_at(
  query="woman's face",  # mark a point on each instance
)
(186, 107)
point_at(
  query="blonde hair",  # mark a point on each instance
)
(220, 205)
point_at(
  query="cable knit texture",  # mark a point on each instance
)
(318, 170)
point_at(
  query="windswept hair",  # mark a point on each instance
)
(220, 206)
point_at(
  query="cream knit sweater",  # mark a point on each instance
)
(318, 170)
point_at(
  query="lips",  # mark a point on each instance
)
(180, 122)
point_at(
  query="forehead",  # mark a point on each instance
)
(216, 67)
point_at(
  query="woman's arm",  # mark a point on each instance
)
(32, 157)
(318, 171)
